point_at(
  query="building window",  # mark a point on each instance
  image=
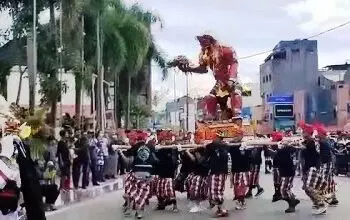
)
(270, 77)
(263, 79)
(319, 81)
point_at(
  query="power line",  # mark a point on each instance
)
(310, 37)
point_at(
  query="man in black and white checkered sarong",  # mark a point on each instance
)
(138, 181)
(311, 171)
(275, 174)
(286, 170)
(326, 170)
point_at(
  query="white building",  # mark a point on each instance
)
(255, 99)
(68, 98)
(176, 113)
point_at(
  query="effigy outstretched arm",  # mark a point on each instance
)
(183, 64)
(201, 69)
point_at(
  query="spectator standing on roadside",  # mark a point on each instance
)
(105, 144)
(64, 162)
(100, 162)
(112, 161)
(81, 162)
(93, 158)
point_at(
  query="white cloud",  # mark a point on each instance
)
(316, 14)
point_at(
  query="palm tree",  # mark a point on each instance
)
(73, 38)
(126, 42)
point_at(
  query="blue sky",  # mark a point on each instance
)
(249, 26)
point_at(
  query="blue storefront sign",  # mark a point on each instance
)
(281, 99)
(246, 113)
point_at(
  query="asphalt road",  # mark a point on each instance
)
(108, 207)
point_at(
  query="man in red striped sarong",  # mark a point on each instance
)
(197, 187)
(165, 170)
(254, 176)
(240, 174)
(217, 153)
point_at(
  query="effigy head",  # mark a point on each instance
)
(206, 40)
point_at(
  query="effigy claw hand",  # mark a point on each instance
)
(180, 62)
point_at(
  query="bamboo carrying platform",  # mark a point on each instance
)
(246, 143)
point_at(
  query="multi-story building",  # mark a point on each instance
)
(292, 66)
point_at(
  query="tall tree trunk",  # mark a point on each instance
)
(78, 94)
(53, 77)
(127, 117)
(21, 72)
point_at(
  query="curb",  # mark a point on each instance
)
(66, 199)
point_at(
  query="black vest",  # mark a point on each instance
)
(143, 159)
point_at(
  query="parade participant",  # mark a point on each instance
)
(240, 160)
(326, 166)
(18, 177)
(218, 160)
(223, 62)
(276, 137)
(311, 175)
(64, 162)
(254, 175)
(138, 181)
(268, 160)
(197, 183)
(183, 178)
(276, 174)
(165, 171)
(287, 172)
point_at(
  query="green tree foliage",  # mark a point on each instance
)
(127, 46)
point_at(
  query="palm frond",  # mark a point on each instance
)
(159, 58)
(138, 42)
(145, 16)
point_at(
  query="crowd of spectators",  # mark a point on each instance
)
(79, 159)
